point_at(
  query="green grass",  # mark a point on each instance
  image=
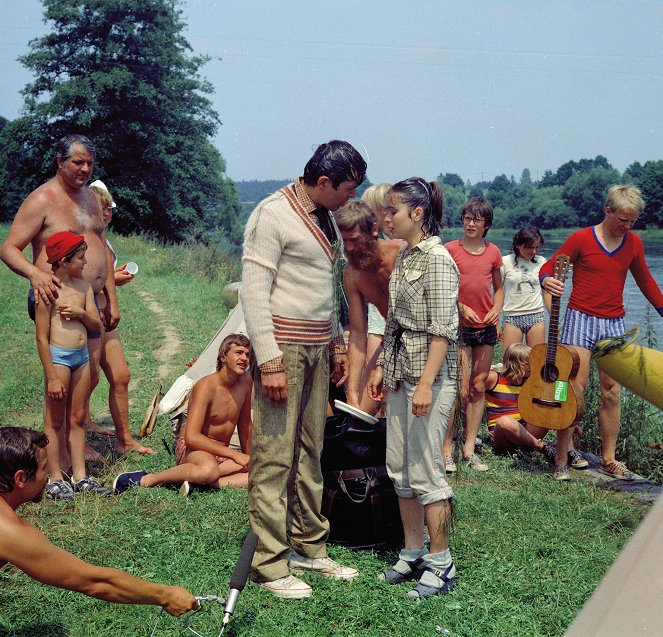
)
(529, 551)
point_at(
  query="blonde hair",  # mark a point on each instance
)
(375, 197)
(625, 198)
(514, 357)
(104, 195)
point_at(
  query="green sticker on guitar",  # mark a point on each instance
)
(561, 390)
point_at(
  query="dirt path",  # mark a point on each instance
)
(172, 343)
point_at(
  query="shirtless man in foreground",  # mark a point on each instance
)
(217, 404)
(65, 203)
(365, 279)
(22, 479)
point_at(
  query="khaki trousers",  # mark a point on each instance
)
(285, 480)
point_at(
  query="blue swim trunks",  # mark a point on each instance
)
(71, 358)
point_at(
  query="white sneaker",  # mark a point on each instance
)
(323, 565)
(474, 463)
(450, 465)
(288, 587)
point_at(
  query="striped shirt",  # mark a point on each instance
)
(502, 400)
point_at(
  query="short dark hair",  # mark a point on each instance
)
(64, 148)
(232, 339)
(479, 207)
(337, 160)
(19, 450)
(355, 214)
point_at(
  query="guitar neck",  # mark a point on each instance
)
(553, 331)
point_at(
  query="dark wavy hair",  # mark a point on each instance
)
(526, 237)
(428, 195)
(19, 449)
(337, 160)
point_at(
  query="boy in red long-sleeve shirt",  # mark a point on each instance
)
(601, 257)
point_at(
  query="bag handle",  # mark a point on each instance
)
(370, 473)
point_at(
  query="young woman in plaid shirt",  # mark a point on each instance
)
(419, 368)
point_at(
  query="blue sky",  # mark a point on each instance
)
(476, 88)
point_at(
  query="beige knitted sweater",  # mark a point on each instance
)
(287, 275)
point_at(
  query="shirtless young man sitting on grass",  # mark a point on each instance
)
(217, 404)
(23, 477)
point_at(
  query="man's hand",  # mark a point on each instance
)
(421, 399)
(274, 385)
(45, 286)
(122, 277)
(553, 286)
(340, 370)
(111, 315)
(179, 601)
(56, 389)
(375, 383)
(242, 459)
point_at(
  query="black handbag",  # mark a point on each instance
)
(359, 498)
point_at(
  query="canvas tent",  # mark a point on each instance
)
(175, 400)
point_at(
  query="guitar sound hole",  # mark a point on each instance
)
(550, 373)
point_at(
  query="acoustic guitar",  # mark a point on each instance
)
(548, 398)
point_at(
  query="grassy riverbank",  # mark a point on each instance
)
(529, 551)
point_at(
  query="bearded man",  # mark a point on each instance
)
(365, 280)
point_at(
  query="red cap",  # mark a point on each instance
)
(61, 244)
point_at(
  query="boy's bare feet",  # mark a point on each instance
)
(132, 445)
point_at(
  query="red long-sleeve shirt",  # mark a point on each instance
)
(599, 275)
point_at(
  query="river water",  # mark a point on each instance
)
(634, 302)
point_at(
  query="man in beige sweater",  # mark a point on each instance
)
(290, 292)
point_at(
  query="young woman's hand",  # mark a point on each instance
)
(422, 399)
(375, 391)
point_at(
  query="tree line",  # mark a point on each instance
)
(574, 195)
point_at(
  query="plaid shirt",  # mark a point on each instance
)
(423, 302)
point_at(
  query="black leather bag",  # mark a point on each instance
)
(359, 498)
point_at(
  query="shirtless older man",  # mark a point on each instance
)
(22, 479)
(65, 203)
(218, 403)
(365, 279)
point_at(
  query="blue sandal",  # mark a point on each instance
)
(421, 590)
(392, 576)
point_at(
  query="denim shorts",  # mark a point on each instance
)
(471, 336)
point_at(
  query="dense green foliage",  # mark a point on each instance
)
(572, 196)
(119, 71)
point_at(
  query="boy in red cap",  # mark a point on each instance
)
(62, 329)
